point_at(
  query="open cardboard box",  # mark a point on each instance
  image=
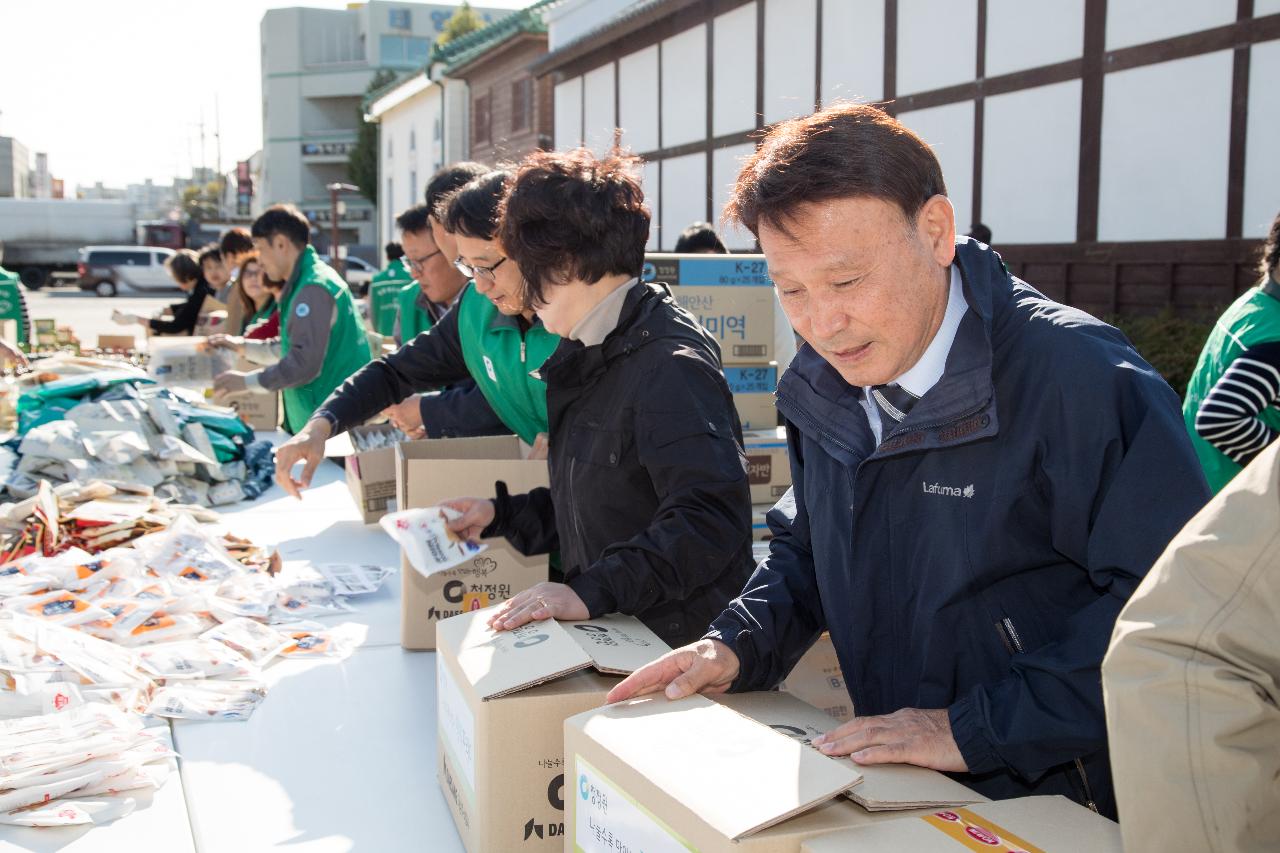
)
(371, 474)
(735, 774)
(816, 678)
(503, 699)
(1023, 825)
(435, 470)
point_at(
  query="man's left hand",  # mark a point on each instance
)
(910, 736)
(230, 382)
(546, 600)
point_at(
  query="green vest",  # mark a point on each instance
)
(1252, 319)
(413, 320)
(501, 361)
(348, 347)
(384, 293)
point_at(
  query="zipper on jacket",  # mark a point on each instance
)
(1009, 633)
(573, 502)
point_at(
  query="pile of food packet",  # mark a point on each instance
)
(83, 766)
(82, 419)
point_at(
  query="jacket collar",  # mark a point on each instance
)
(575, 364)
(959, 409)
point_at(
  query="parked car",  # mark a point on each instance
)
(359, 274)
(106, 270)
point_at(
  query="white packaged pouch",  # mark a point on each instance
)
(257, 642)
(428, 543)
(198, 658)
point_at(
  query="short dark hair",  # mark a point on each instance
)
(415, 220)
(394, 251)
(184, 266)
(844, 151)
(573, 215)
(700, 237)
(282, 219)
(236, 241)
(1271, 249)
(450, 178)
(473, 210)
(210, 252)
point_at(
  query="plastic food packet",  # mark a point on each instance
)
(250, 595)
(305, 600)
(59, 606)
(75, 811)
(352, 578)
(199, 658)
(190, 552)
(311, 643)
(96, 661)
(164, 626)
(428, 543)
(257, 642)
(205, 700)
(126, 616)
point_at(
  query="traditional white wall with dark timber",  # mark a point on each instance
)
(1121, 151)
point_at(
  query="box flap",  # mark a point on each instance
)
(735, 774)
(1026, 823)
(885, 787)
(499, 663)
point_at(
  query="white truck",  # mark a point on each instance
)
(43, 236)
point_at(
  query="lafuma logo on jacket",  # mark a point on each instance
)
(947, 491)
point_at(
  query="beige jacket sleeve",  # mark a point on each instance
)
(1192, 681)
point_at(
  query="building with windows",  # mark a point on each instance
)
(316, 67)
(15, 169)
(1118, 149)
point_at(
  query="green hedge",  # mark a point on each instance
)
(1171, 344)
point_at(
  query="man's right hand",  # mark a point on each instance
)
(407, 416)
(220, 341)
(306, 447)
(707, 666)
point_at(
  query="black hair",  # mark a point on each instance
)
(981, 233)
(1271, 250)
(282, 219)
(473, 210)
(701, 237)
(236, 241)
(450, 178)
(210, 252)
(394, 251)
(415, 220)
(184, 266)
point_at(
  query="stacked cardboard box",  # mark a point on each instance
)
(503, 699)
(738, 774)
(428, 472)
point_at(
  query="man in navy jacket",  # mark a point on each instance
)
(982, 477)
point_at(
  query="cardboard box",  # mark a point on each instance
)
(731, 295)
(1024, 824)
(435, 470)
(753, 388)
(694, 774)
(371, 474)
(760, 531)
(816, 679)
(117, 342)
(502, 702)
(895, 788)
(768, 464)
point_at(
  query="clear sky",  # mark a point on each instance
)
(114, 90)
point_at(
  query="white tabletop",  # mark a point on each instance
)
(340, 756)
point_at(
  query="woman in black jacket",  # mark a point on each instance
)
(648, 503)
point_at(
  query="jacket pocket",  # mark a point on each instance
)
(666, 429)
(596, 446)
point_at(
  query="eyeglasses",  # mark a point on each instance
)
(416, 264)
(477, 272)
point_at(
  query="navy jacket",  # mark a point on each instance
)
(977, 559)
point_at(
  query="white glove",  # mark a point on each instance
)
(125, 319)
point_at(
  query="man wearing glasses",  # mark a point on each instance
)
(437, 283)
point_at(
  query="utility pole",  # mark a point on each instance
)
(335, 256)
(217, 138)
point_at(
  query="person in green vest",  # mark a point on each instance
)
(491, 336)
(1232, 405)
(436, 283)
(384, 290)
(322, 336)
(10, 354)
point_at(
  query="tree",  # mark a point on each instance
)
(464, 20)
(200, 202)
(362, 162)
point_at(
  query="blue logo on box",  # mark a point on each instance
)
(583, 788)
